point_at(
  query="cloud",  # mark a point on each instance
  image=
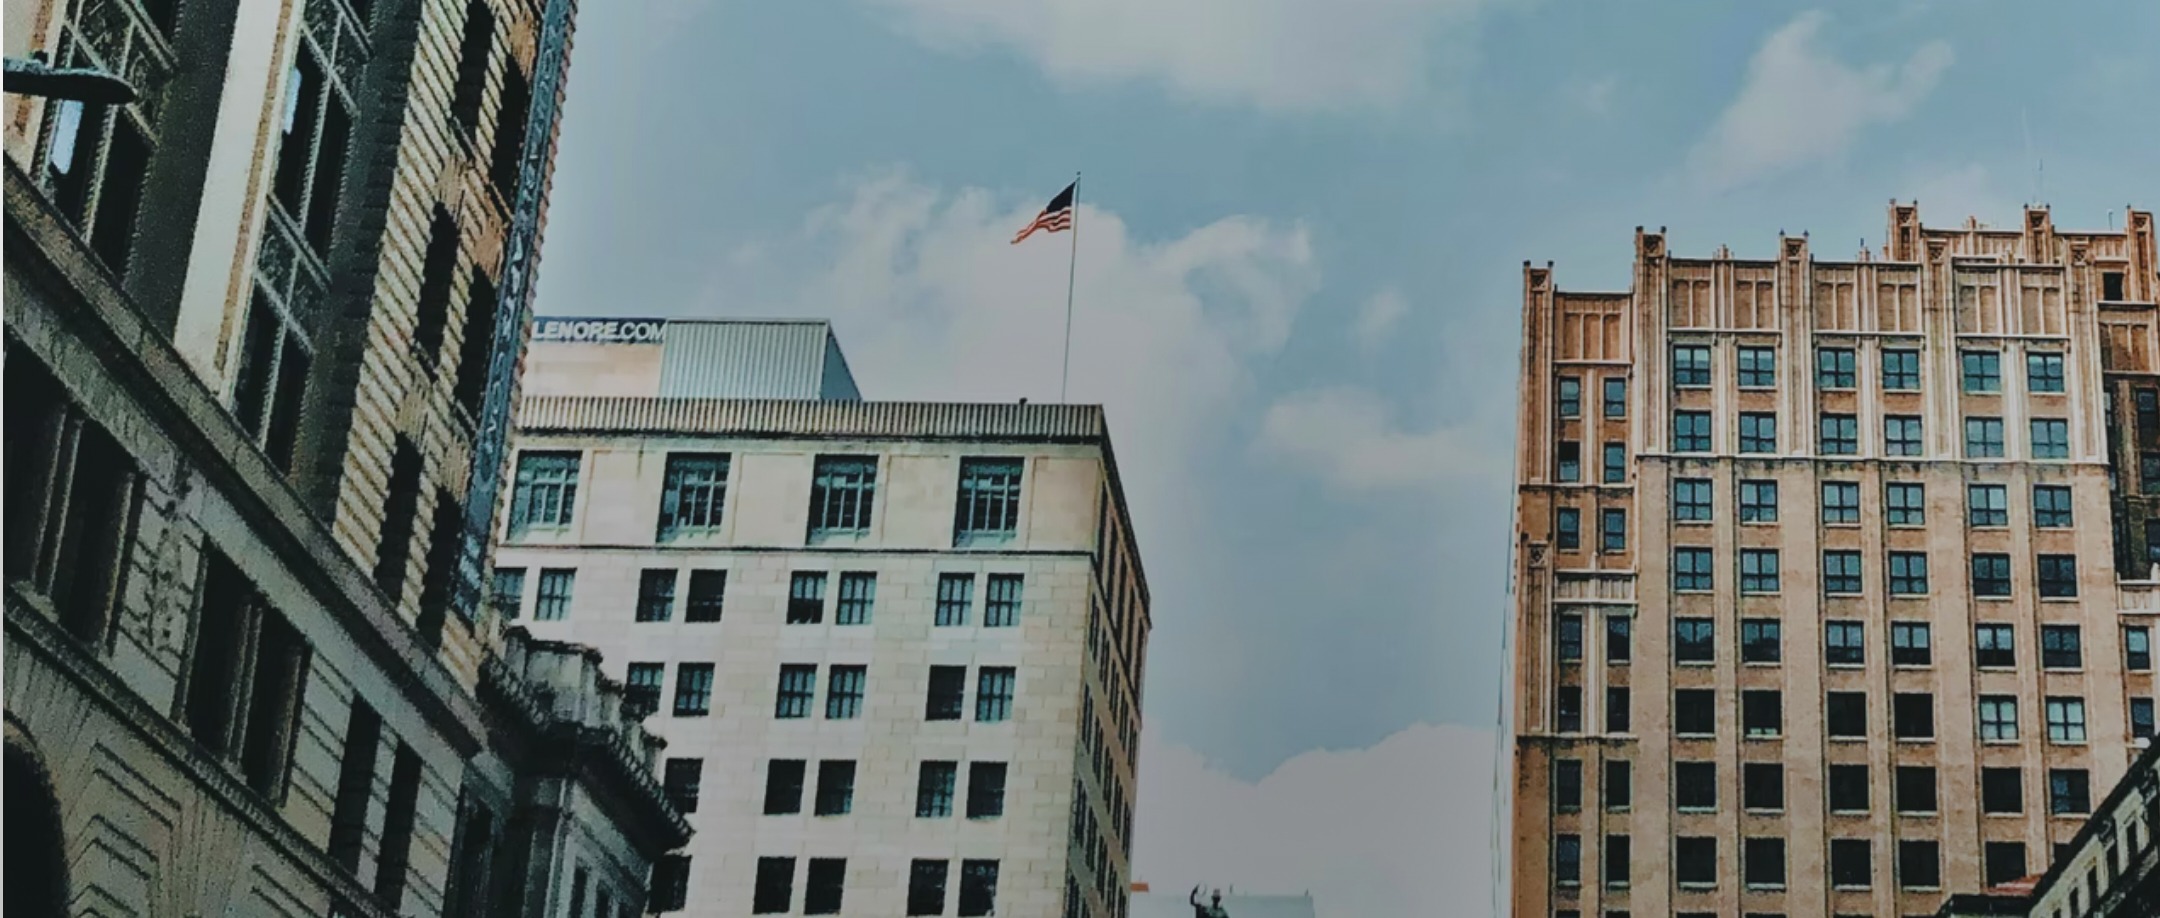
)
(1394, 829)
(1800, 104)
(1595, 96)
(1276, 55)
(1948, 195)
(1344, 435)
(1379, 316)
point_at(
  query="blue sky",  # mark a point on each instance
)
(1300, 259)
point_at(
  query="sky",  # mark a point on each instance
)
(1297, 293)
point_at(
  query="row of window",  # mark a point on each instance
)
(1836, 368)
(706, 595)
(1845, 715)
(824, 881)
(843, 490)
(1845, 643)
(1838, 434)
(1693, 572)
(1847, 788)
(845, 686)
(1763, 867)
(1904, 504)
(935, 789)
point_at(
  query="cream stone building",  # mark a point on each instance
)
(262, 331)
(895, 649)
(1821, 608)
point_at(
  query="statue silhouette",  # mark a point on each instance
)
(1213, 909)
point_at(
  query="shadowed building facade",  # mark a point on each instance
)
(1823, 598)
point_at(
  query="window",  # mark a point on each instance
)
(1758, 368)
(1691, 431)
(784, 786)
(1691, 570)
(1616, 709)
(1619, 790)
(1762, 713)
(1900, 370)
(393, 547)
(2137, 648)
(71, 507)
(934, 789)
(641, 687)
(1905, 503)
(1617, 858)
(1758, 502)
(1759, 640)
(2058, 576)
(986, 790)
(694, 494)
(1982, 371)
(1568, 529)
(1987, 505)
(1913, 789)
(1910, 644)
(670, 883)
(1691, 500)
(545, 492)
(844, 691)
(858, 592)
(394, 856)
(1846, 715)
(708, 591)
(356, 785)
(1619, 638)
(1570, 397)
(1567, 784)
(1840, 435)
(926, 887)
(835, 787)
(1615, 463)
(476, 346)
(2002, 790)
(1695, 862)
(314, 134)
(1841, 572)
(1994, 646)
(1983, 438)
(656, 595)
(1570, 461)
(989, 507)
(994, 694)
(1568, 637)
(2069, 791)
(438, 283)
(1567, 860)
(1693, 640)
(1844, 643)
(1901, 436)
(948, 685)
(2111, 286)
(2005, 861)
(1615, 397)
(2044, 372)
(100, 197)
(978, 888)
(508, 594)
(2050, 438)
(2061, 647)
(1758, 432)
(693, 689)
(798, 685)
(825, 885)
(1851, 863)
(842, 489)
(1834, 368)
(1694, 712)
(2149, 468)
(2065, 720)
(955, 594)
(2051, 506)
(682, 781)
(1567, 709)
(1841, 502)
(1908, 574)
(806, 598)
(1758, 570)
(1613, 530)
(1001, 607)
(1695, 786)
(1991, 575)
(1848, 788)
(1691, 365)
(775, 891)
(1998, 718)
(553, 601)
(245, 682)
(1763, 864)
(1762, 786)
(1912, 715)
(2141, 718)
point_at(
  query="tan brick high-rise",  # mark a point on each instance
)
(1828, 597)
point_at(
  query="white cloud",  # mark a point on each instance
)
(1379, 316)
(1400, 828)
(1345, 436)
(1800, 104)
(1948, 195)
(1279, 55)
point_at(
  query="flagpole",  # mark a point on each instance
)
(1071, 269)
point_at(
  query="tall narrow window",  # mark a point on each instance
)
(842, 490)
(858, 593)
(656, 595)
(844, 691)
(806, 598)
(508, 157)
(545, 493)
(693, 689)
(73, 498)
(1569, 459)
(438, 283)
(986, 790)
(245, 682)
(1568, 397)
(798, 687)
(271, 385)
(824, 885)
(989, 507)
(708, 593)
(314, 132)
(356, 785)
(948, 686)
(1615, 397)
(835, 788)
(955, 593)
(682, 781)
(774, 892)
(934, 789)
(1615, 463)
(1612, 526)
(1001, 605)
(99, 195)
(552, 602)
(397, 836)
(1567, 529)
(994, 694)
(473, 59)
(476, 346)
(393, 548)
(693, 495)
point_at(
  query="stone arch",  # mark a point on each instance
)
(36, 842)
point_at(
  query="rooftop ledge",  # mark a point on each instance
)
(804, 418)
(2139, 597)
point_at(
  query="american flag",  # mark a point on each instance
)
(1057, 216)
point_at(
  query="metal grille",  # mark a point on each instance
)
(1001, 608)
(695, 494)
(994, 694)
(798, 684)
(841, 491)
(989, 506)
(858, 592)
(546, 491)
(955, 593)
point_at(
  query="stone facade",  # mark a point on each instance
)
(1808, 552)
(2111, 870)
(707, 596)
(249, 383)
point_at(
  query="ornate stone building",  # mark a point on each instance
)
(262, 332)
(1831, 577)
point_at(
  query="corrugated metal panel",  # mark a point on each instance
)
(743, 359)
(793, 418)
